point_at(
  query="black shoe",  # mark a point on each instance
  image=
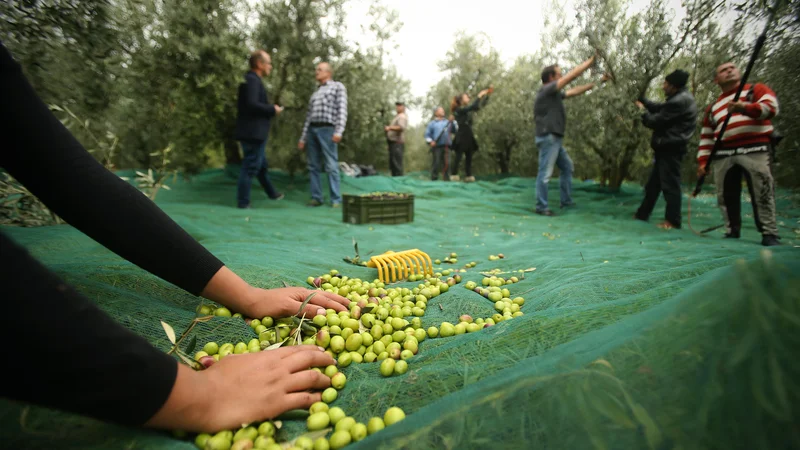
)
(546, 212)
(314, 203)
(568, 205)
(244, 207)
(732, 235)
(770, 240)
(280, 196)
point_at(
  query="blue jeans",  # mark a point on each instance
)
(320, 146)
(254, 164)
(552, 153)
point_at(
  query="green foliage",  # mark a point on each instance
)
(146, 75)
(18, 207)
(164, 73)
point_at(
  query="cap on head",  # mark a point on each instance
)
(678, 78)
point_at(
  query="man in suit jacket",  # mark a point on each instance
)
(252, 128)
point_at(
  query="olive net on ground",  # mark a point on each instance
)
(633, 337)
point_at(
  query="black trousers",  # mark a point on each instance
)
(396, 150)
(666, 178)
(457, 161)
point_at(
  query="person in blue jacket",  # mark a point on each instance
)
(252, 128)
(437, 135)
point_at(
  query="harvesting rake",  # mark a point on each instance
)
(394, 266)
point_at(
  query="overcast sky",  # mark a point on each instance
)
(514, 28)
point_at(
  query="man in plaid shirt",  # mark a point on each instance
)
(325, 121)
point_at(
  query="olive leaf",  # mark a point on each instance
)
(285, 284)
(192, 344)
(170, 331)
(190, 362)
(277, 345)
(651, 431)
(308, 299)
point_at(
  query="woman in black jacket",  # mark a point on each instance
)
(464, 142)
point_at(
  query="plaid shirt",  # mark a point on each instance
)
(327, 104)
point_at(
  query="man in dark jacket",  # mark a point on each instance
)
(673, 123)
(252, 128)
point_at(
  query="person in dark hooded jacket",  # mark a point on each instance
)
(673, 123)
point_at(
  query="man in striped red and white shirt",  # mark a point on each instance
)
(744, 151)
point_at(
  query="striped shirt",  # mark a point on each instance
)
(328, 104)
(747, 132)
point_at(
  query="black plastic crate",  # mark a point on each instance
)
(378, 208)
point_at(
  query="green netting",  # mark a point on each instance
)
(632, 337)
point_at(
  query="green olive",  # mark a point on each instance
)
(358, 432)
(262, 442)
(212, 348)
(345, 358)
(374, 425)
(304, 443)
(387, 367)
(329, 395)
(339, 380)
(318, 421)
(240, 348)
(222, 312)
(321, 444)
(345, 424)
(266, 429)
(318, 407)
(337, 344)
(201, 439)
(393, 415)
(400, 367)
(340, 439)
(245, 433)
(218, 442)
(354, 342)
(336, 414)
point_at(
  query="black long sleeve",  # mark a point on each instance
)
(37, 150)
(254, 102)
(76, 357)
(83, 361)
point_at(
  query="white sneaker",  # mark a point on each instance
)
(454, 178)
(469, 179)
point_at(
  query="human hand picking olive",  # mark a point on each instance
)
(265, 385)
(228, 289)
(285, 302)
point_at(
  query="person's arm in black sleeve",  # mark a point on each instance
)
(37, 150)
(651, 106)
(64, 355)
(253, 102)
(668, 112)
(474, 106)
